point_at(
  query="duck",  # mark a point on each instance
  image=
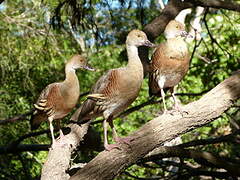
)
(116, 90)
(169, 63)
(59, 98)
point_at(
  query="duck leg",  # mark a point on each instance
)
(176, 107)
(116, 138)
(107, 146)
(176, 104)
(61, 135)
(161, 82)
(50, 119)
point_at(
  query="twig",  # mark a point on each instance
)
(211, 36)
(196, 45)
(135, 177)
(205, 59)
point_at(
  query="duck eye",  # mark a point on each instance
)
(138, 35)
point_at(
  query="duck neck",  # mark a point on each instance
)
(71, 81)
(134, 61)
(177, 44)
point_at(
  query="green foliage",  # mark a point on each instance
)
(33, 55)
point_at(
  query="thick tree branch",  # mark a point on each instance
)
(56, 167)
(159, 130)
(16, 147)
(219, 4)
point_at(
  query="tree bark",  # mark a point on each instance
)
(106, 165)
(59, 157)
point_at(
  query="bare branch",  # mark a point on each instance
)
(217, 161)
(195, 171)
(230, 138)
(56, 167)
(219, 4)
(16, 118)
(211, 36)
(23, 147)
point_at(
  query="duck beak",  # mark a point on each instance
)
(88, 67)
(148, 44)
(185, 34)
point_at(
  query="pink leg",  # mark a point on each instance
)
(163, 99)
(107, 146)
(176, 107)
(161, 83)
(61, 135)
(50, 119)
(116, 138)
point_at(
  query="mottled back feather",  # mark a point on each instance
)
(107, 86)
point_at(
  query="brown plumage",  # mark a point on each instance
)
(59, 98)
(170, 62)
(117, 89)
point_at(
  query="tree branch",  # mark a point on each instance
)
(23, 147)
(16, 118)
(227, 138)
(106, 165)
(56, 167)
(175, 151)
(219, 4)
(195, 171)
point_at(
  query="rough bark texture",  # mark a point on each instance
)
(163, 128)
(59, 157)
